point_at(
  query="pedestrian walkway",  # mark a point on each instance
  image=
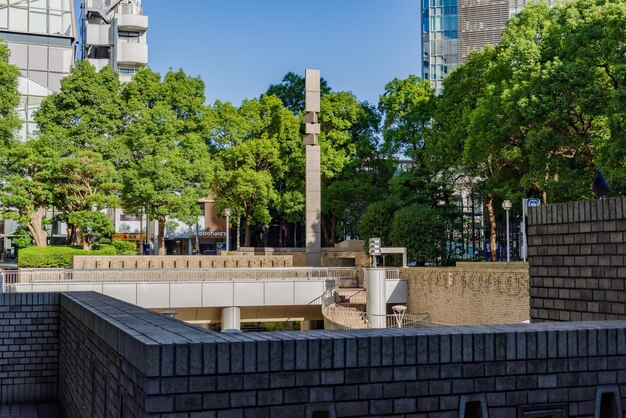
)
(47, 410)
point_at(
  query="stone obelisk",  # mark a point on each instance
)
(313, 202)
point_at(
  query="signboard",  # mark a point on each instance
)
(533, 202)
(375, 247)
(128, 237)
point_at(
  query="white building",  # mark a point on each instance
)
(114, 33)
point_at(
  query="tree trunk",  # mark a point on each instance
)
(324, 230)
(333, 231)
(35, 226)
(161, 237)
(246, 241)
(492, 227)
(295, 235)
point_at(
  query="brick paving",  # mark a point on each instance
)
(30, 411)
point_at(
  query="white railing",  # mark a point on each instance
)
(25, 276)
(392, 274)
(329, 300)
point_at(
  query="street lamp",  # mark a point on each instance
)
(227, 214)
(506, 205)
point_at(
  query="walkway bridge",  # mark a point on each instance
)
(203, 296)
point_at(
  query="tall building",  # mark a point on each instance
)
(451, 29)
(440, 40)
(40, 35)
(114, 33)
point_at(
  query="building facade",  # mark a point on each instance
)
(440, 40)
(451, 29)
(114, 33)
(40, 35)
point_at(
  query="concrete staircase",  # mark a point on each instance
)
(349, 310)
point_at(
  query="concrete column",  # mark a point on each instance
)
(313, 207)
(376, 291)
(231, 319)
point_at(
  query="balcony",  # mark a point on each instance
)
(132, 22)
(98, 34)
(132, 53)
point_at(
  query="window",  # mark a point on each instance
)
(132, 37)
(126, 70)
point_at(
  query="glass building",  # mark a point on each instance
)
(451, 29)
(440, 40)
(40, 35)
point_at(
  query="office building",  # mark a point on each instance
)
(451, 29)
(114, 33)
(440, 40)
(40, 35)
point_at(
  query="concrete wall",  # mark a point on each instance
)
(577, 254)
(331, 257)
(29, 347)
(472, 293)
(179, 262)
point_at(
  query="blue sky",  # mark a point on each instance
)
(240, 47)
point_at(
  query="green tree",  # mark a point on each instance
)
(255, 160)
(84, 184)
(408, 108)
(420, 229)
(85, 114)
(28, 189)
(375, 222)
(168, 167)
(9, 98)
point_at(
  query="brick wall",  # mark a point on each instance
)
(577, 255)
(473, 293)
(29, 347)
(120, 360)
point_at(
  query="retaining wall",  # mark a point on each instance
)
(471, 293)
(577, 254)
(179, 262)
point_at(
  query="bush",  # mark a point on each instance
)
(57, 256)
(125, 247)
(421, 229)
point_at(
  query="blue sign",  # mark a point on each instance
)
(533, 202)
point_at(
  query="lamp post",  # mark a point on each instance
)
(506, 205)
(227, 214)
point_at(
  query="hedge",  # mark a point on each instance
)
(56, 256)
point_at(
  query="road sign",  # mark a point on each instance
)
(533, 202)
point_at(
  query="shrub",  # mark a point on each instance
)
(57, 256)
(124, 247)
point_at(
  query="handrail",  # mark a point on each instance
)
(176, 275)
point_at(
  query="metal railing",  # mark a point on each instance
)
(392, 274)
(25, 276)
(329, 300)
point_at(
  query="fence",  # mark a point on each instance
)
(42, 276)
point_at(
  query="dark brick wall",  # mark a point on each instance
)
(577, 255)
(29, 347)
(120, 360)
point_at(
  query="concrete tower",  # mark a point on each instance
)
(313, 173)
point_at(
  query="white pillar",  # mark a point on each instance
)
(376, 291)
(231, 319)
